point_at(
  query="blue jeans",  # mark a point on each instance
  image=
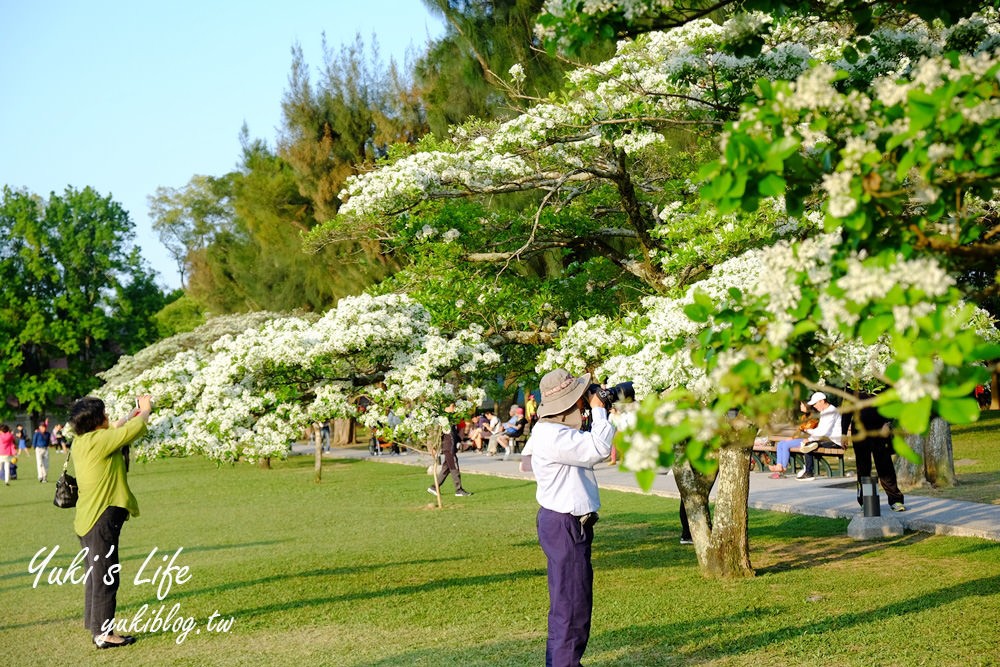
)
(783, 451)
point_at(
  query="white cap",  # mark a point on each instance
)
(816, 398)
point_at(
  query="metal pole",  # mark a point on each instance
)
(869, 492)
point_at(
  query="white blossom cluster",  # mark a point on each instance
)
(585, 343)
(567, 10)
(778, 276)
(250, 395)
(857, 121)
(402, 184)
(659, 75)
(214, 328)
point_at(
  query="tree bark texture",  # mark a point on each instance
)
(937, 462)
(995, 389)
(722, 541)
(343, 433)
(317, 439)
(434, 449)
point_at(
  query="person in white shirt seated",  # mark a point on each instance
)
(563, 457)
(825, 431)
(828, 433)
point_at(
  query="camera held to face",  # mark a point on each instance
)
(610, 395)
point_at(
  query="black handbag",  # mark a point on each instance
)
(67, 491)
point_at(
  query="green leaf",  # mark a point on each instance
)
(904, 450)
(771, 185)
(958, 410)
(873, 327)
(696, 312)
(645, 479)
(804, 327)
(987, 352)
(916, 416)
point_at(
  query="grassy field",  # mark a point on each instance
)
(359, 570)
(976, 449)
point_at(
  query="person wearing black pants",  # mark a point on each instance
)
(563, 457)
(100, 459)
(871, 435)
(100, 589)
(449, 447)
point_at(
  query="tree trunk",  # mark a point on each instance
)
(434, 448)
(343, 433)
(937, 462)
(722, 542)
(317, 439)
(264, 463)
(995, 388)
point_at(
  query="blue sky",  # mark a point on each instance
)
(129, 96)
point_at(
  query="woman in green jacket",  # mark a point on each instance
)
(104, 505)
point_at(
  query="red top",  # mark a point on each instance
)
(7, 447)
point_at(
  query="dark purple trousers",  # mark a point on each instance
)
(566, 544)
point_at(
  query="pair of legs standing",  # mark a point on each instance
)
(879, 449)
(566, 543)
(42, 461)
(101, 585)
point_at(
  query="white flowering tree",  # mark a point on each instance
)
(248, 395)
(877, 128)
(896, 153)
(718, 348)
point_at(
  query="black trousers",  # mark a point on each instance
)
(100, 590)
(879, 449)
(450, 466)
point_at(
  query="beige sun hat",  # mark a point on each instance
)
(560, 391)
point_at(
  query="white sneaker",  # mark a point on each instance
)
(807, 447)
(804, 476)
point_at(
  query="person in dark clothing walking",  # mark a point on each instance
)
(872, 439)
(450, 441)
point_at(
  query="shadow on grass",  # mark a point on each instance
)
(437, 585)
(361, 568)
(177, 594)
(673, 643)
(989, 421)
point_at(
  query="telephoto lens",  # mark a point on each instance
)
(622, 391)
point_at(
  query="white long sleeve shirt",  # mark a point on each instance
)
(829, 426)
(563, 460)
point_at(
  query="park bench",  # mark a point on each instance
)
(377, 446)
(797, 461)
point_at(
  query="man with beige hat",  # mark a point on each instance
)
(563, 457)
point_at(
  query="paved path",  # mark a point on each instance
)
(830, 497)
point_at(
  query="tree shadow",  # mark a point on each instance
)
(431, 586)
(331, 572)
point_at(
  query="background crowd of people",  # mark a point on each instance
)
(15, 444)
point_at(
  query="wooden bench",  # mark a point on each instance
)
(797, 459)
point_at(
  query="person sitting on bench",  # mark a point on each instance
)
(513, 428)
(828, 433)
(826, 429)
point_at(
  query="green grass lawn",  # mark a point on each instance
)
(359, 570)
(976, 448)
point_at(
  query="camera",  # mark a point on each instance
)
(622, 391)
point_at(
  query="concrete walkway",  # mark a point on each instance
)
(830, 497)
